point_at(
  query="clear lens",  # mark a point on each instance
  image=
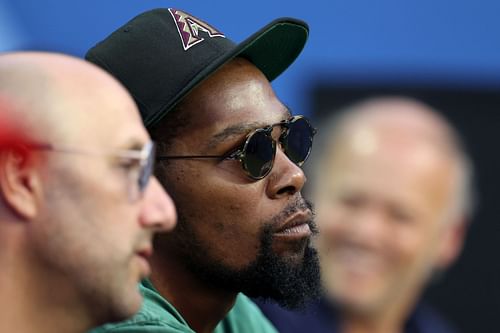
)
(147, 167)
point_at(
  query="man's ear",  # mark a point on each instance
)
(19, 180)
(452, 243)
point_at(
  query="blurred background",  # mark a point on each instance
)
(446, 53)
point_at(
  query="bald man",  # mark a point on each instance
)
(77, 212)
(392, 191)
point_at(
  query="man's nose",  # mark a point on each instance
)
(286, 178)
(158, 210)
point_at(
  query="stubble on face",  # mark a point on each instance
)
(102, 269)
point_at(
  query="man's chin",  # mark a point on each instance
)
(360, 302)
(128, 304)
(290, 280)
(291, 251)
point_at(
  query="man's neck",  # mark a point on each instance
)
(358, 325)
(29, 305)
(202, 306)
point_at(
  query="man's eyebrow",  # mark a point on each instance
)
(133, 144)
(235, 130)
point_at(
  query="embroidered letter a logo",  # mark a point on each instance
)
(189, 26)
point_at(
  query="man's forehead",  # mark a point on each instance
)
(131, 134)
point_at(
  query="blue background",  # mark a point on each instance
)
(439, 42)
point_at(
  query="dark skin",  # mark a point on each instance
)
(226, 208)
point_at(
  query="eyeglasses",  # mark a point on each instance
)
(258, 152)
(144, 159)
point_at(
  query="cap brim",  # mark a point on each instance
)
(272, 49)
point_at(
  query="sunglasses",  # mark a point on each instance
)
(140, 161)
(258, 152)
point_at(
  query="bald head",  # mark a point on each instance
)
(401, 119)
(78, 209)
(402, 129)
(57, 97)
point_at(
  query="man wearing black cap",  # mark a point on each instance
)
(230, 155)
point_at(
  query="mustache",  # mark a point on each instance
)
(298, 205)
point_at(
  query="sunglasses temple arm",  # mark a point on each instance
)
(177, 157)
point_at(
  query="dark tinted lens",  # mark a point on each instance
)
(298, 141)
(259, 154)
(147, 169)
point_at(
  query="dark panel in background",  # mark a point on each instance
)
(469, 294)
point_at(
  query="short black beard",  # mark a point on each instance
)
(289, 284)
(269, 277)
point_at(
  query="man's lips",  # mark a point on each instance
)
(146, 252)
(296, 226)
(143, 254)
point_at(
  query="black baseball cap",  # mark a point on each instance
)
(162, 54)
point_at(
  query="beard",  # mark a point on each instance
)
(286, 281)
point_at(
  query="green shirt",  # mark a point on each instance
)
(157, 315)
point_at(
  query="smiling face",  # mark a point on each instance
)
(225, 218)
(383, 209)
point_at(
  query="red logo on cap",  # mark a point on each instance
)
(188, 27)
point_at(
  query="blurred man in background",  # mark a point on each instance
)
(77, 213)
(392, 190)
